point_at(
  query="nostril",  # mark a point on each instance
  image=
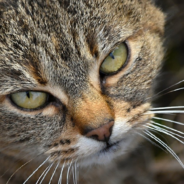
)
(102, 133)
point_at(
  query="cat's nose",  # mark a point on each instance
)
(102, 133)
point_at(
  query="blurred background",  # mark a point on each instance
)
(165, 167)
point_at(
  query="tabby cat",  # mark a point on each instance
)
(76, 81)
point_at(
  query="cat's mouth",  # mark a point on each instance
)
(110, 147)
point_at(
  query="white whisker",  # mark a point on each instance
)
(73, 171)
(169, 128)
(42, 174)
(17, 171)
(165, 146)
(36, 169)
(165, 112)
(168, 120)
(46, 173)
(15, 160)
(54, 172)
(156, 95)
(76, 178)
(69, 171)
(60, 177)
(77, 172)
(152, 127)
(149, 140)
(155, 131)
(171, 107)
(178, 89)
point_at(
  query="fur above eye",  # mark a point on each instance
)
(115, 60)
(29, 100)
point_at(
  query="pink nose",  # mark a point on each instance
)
(102, 133)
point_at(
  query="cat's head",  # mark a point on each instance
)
(76, 77)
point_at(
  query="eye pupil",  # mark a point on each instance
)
(28, 94)
(111, 55)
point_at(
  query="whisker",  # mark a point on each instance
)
(60, 177)
(165, 146)
(171, 107)
(42, 174)
(168, 128)
(22, 167)
(77, 172)
(168, 120)
(73, 171)
(156, 132)
(54, 172)
(178, 89)
(155, 144)
(36, 169)
(76, 178)
(158, 94)
(18, 170)
(165, 112)
(16, 160)
(69, 171)
(46, 173)
(165, 132)
(172, 91)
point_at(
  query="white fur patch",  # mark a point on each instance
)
(93, 152)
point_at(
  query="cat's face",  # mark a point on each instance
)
(57, 48)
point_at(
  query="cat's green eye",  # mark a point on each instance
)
(29, 100)
(115, 60)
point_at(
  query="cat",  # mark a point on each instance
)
(76, 84)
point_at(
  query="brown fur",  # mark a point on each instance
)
(58, 46)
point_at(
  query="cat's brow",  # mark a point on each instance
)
(154, 28)
(2, 98)
(34, 67)
(147, 27)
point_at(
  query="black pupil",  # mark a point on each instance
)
(111, 55)
(28, 94)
